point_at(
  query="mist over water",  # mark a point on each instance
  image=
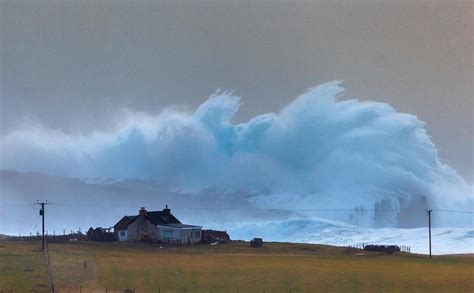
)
(318, 152)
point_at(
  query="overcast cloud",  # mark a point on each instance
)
(75, 66)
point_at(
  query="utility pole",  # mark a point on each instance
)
(41, 212)
(429, 226)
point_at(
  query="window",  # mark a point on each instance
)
(122, 233)
(168, 234)
(197, 234)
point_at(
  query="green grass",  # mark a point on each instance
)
(23, 267)
(277, 267)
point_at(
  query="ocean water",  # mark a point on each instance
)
(444, 240)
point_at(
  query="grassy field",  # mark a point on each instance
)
(22, 267)
(234, 267)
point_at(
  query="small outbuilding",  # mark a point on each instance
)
(156, 226)
(100, 234)
(382, 248)
(256, 242)
(214, 236)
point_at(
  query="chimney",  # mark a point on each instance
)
(166, 210)
(142, 212)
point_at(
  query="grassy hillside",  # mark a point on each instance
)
(277, 267)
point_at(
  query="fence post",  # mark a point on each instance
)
(106, 289)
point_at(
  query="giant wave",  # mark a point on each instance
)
(318, 152)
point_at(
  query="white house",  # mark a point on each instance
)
(157, 226)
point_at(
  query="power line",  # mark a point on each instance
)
(252, 209)
(454, 211)
(95, 205)
(16, 205)
(268, 209)
(242, 209)
(36, 224)
(293, 209)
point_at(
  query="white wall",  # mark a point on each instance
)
(123, 235)
(178, 234)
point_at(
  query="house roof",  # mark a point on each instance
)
(124, 221)
(131, 218)
(162, 217)
(157, 218)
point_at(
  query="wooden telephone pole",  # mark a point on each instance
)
(429, 227)
(41, 212)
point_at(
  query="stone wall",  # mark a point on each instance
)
(142, 226)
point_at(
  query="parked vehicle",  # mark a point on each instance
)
(256, 242)
(145, 238)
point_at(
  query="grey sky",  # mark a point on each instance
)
(74, 65)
